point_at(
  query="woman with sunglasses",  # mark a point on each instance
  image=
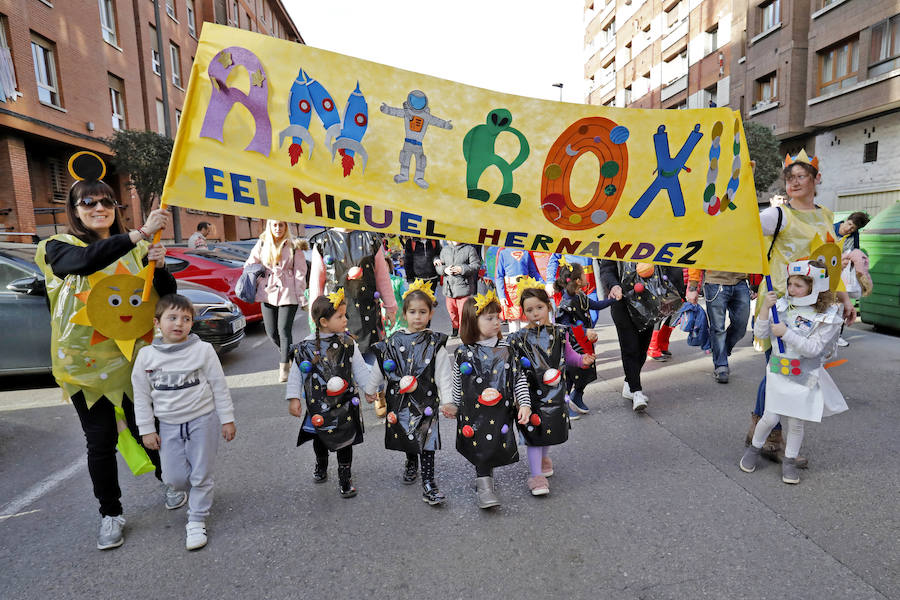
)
(93, 371)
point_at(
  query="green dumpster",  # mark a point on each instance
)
(881, 241)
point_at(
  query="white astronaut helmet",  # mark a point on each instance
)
(820, 282)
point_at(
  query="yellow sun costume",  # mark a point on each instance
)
(98, 323)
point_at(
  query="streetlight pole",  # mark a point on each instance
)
(560, 86)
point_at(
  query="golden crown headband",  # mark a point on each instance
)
(337, 298)
(420, 286)
(528, 282)
(86, 166)
(802, 157)
(482, 301)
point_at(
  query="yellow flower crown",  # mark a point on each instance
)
(482, 300)
(420, 286)
(337, 298)
(528, 282)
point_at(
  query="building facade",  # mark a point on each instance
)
(821, 74)
(74, 72)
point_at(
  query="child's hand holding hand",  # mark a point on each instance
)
(769, 300)
(592, 336)
(524, 415)
(778, 329)
(228, 431)
(295, 408)
(587, 360)
(370, 398)
(150, 441)
(449, 410)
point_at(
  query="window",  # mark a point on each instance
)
(673, 15)
(771, 15)
(711, 97)
(608, 33)
(160, 117)
(8, 86)
(838, 66)
(870, 152)
(628, 95)
(766, 89)
(177, 119)
(711, 40)
(191, 19)
(43, 53)
(117, 102)
(235, 15)
(170, 9)
(175, 55)
(59, 180)
(154, 50)
(885, 50)
(108, 21)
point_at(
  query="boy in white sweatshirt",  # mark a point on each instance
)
(179, 380)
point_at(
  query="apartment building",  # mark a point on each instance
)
(821, 74)
(658, 53)
(73, 72)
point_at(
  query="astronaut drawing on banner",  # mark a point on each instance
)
(417, 118)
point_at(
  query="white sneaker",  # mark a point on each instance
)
(842, 343)
(639, 403)
(196, 535)
(626, 392)
(111, 533)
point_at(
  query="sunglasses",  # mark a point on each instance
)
(90, 203)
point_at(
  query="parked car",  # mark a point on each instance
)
(25, 314)
(215, 269)
(217, 319)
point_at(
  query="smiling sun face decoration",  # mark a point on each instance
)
(113, 307)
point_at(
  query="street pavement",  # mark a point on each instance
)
(641, 506)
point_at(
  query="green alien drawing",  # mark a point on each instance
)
(479, 152)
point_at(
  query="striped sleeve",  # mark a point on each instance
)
(456, 385)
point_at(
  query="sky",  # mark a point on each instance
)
(518, 47)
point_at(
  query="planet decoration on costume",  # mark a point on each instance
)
(526, 364)
(392, 418)
(114, 308)
(505, 429)
(354, 273)
(428, 411)
(336, 386)
(354, 401)
(490, 396)
(535, 419)
(389, 365)
(305, 366)
(329, 259)
(467, 431)
(567, 398)
(376, 295)
(466, 368)
(552, 377)
(408, 384)
(317, 420)
(644, 270)
(639, 287)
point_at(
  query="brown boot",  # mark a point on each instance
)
(380, 406)
(773, 446)
(754, 419)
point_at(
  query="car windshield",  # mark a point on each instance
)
(217, 256)
(19, 252)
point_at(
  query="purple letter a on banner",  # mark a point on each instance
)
(224, 97)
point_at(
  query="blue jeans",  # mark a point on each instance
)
(735, 299)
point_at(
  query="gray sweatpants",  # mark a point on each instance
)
(188, 454)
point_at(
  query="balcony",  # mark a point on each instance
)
(674, 87)
(676, 33)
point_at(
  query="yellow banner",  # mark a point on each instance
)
(273, 129)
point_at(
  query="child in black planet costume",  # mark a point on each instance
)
(575, 310)
(543, 352)
(487, 387)
(327, 369)
(415, 365)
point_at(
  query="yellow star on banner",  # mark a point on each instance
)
(225, 59)
(257, 78)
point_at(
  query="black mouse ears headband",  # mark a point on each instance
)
(86, 166)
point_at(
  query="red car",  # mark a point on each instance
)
(214, 269)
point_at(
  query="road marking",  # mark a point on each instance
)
(41, 488)
(21, 514)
